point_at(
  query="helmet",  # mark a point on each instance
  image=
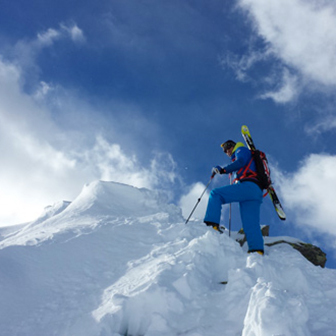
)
(227, 145)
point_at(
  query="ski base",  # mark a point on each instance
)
(276, 203)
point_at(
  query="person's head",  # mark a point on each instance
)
(228, 147)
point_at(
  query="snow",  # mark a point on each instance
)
(120, 261)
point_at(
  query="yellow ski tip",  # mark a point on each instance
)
(281, 214)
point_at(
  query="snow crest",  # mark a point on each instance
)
(120, 261)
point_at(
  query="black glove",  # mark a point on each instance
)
(218, 170)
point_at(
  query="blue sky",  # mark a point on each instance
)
(144, 92)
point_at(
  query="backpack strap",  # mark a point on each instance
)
(246, 172)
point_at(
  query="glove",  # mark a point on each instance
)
(218, 170)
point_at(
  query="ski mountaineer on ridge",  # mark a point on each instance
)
(245, 190)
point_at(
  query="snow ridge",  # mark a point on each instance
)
(120, 261)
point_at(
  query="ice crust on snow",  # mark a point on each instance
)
(120, 261)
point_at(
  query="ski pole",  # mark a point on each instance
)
(230, 210)
(230, 221)
(199, 200)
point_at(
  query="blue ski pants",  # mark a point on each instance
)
(249, 196)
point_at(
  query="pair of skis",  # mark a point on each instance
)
(275, 200)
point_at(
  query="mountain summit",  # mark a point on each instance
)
(119, 260)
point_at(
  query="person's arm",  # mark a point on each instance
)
(242, 157)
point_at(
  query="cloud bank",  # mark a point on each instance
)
(300, 36)
(309, 194)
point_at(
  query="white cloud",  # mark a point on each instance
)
(31, 167)
(326, 124)
(242, 64)
(74, 32)
(110, 162)
(285, 91)
(25, 52)
(309, 193)
(300, 34)
(47, 38)
(43, 89)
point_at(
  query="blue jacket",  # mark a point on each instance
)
(241, 157)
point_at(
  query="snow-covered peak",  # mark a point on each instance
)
(98, 202)
(111, 198)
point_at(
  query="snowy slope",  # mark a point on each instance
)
(120, 261)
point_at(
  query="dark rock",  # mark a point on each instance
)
(311, 252)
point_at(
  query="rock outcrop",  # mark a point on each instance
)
(311, 252)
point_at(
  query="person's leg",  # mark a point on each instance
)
(214, 208)
(250, 216)
(232, 193)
